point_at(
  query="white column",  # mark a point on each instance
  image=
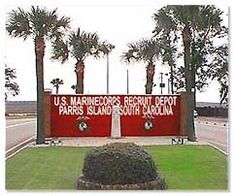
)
(116, 126)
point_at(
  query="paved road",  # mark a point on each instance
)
(18, 130)
(214, 131)
(211, 130)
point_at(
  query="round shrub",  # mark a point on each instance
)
(119, 163)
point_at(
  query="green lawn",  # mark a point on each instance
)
(57, 168)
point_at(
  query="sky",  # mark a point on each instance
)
(119, 24)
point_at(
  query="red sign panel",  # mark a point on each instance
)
(91, 115)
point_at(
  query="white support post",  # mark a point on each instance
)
(116, 126)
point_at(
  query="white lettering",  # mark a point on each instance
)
(129, 105)
(56, 101)
(70, 110)
(63, 101)
(159, 110)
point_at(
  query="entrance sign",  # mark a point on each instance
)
(91, 115)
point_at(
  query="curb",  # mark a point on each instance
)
(210, 144)
(213, 123)
(17, 148)
(217, 148)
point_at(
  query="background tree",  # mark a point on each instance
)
(80, 45)
(220, 72)
(10, 85)
(56, 83)
(40, 25)
(147, 51)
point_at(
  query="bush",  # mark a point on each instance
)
(119, 163)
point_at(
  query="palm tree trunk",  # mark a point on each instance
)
(194, 70)
(186, 35)
(186, 42)
(172, 79)
(170, 63)
(39, 52)
(80, 77)
(57, 89)
(150, 71)
(194, 87)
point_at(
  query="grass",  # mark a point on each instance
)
(57, 168)
(191, 167)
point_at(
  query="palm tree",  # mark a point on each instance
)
(191, 22)
(147, 51)
(165, 32)
(181, 18)
(80, 45)
(41, 25)
(56, 83)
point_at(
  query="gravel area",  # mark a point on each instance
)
(98, 141)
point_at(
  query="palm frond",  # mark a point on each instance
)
(57, 26)
(83, 44)
(106, 47)
(146, 50)
(102, 49)
(38, 22)
(132, 54)
(60, 50)
(164, 21)
(18, 24)
(57, 81)
(74, 87)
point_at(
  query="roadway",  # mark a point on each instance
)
(19, 130)
(212, 130)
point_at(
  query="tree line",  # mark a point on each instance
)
(195, 28)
